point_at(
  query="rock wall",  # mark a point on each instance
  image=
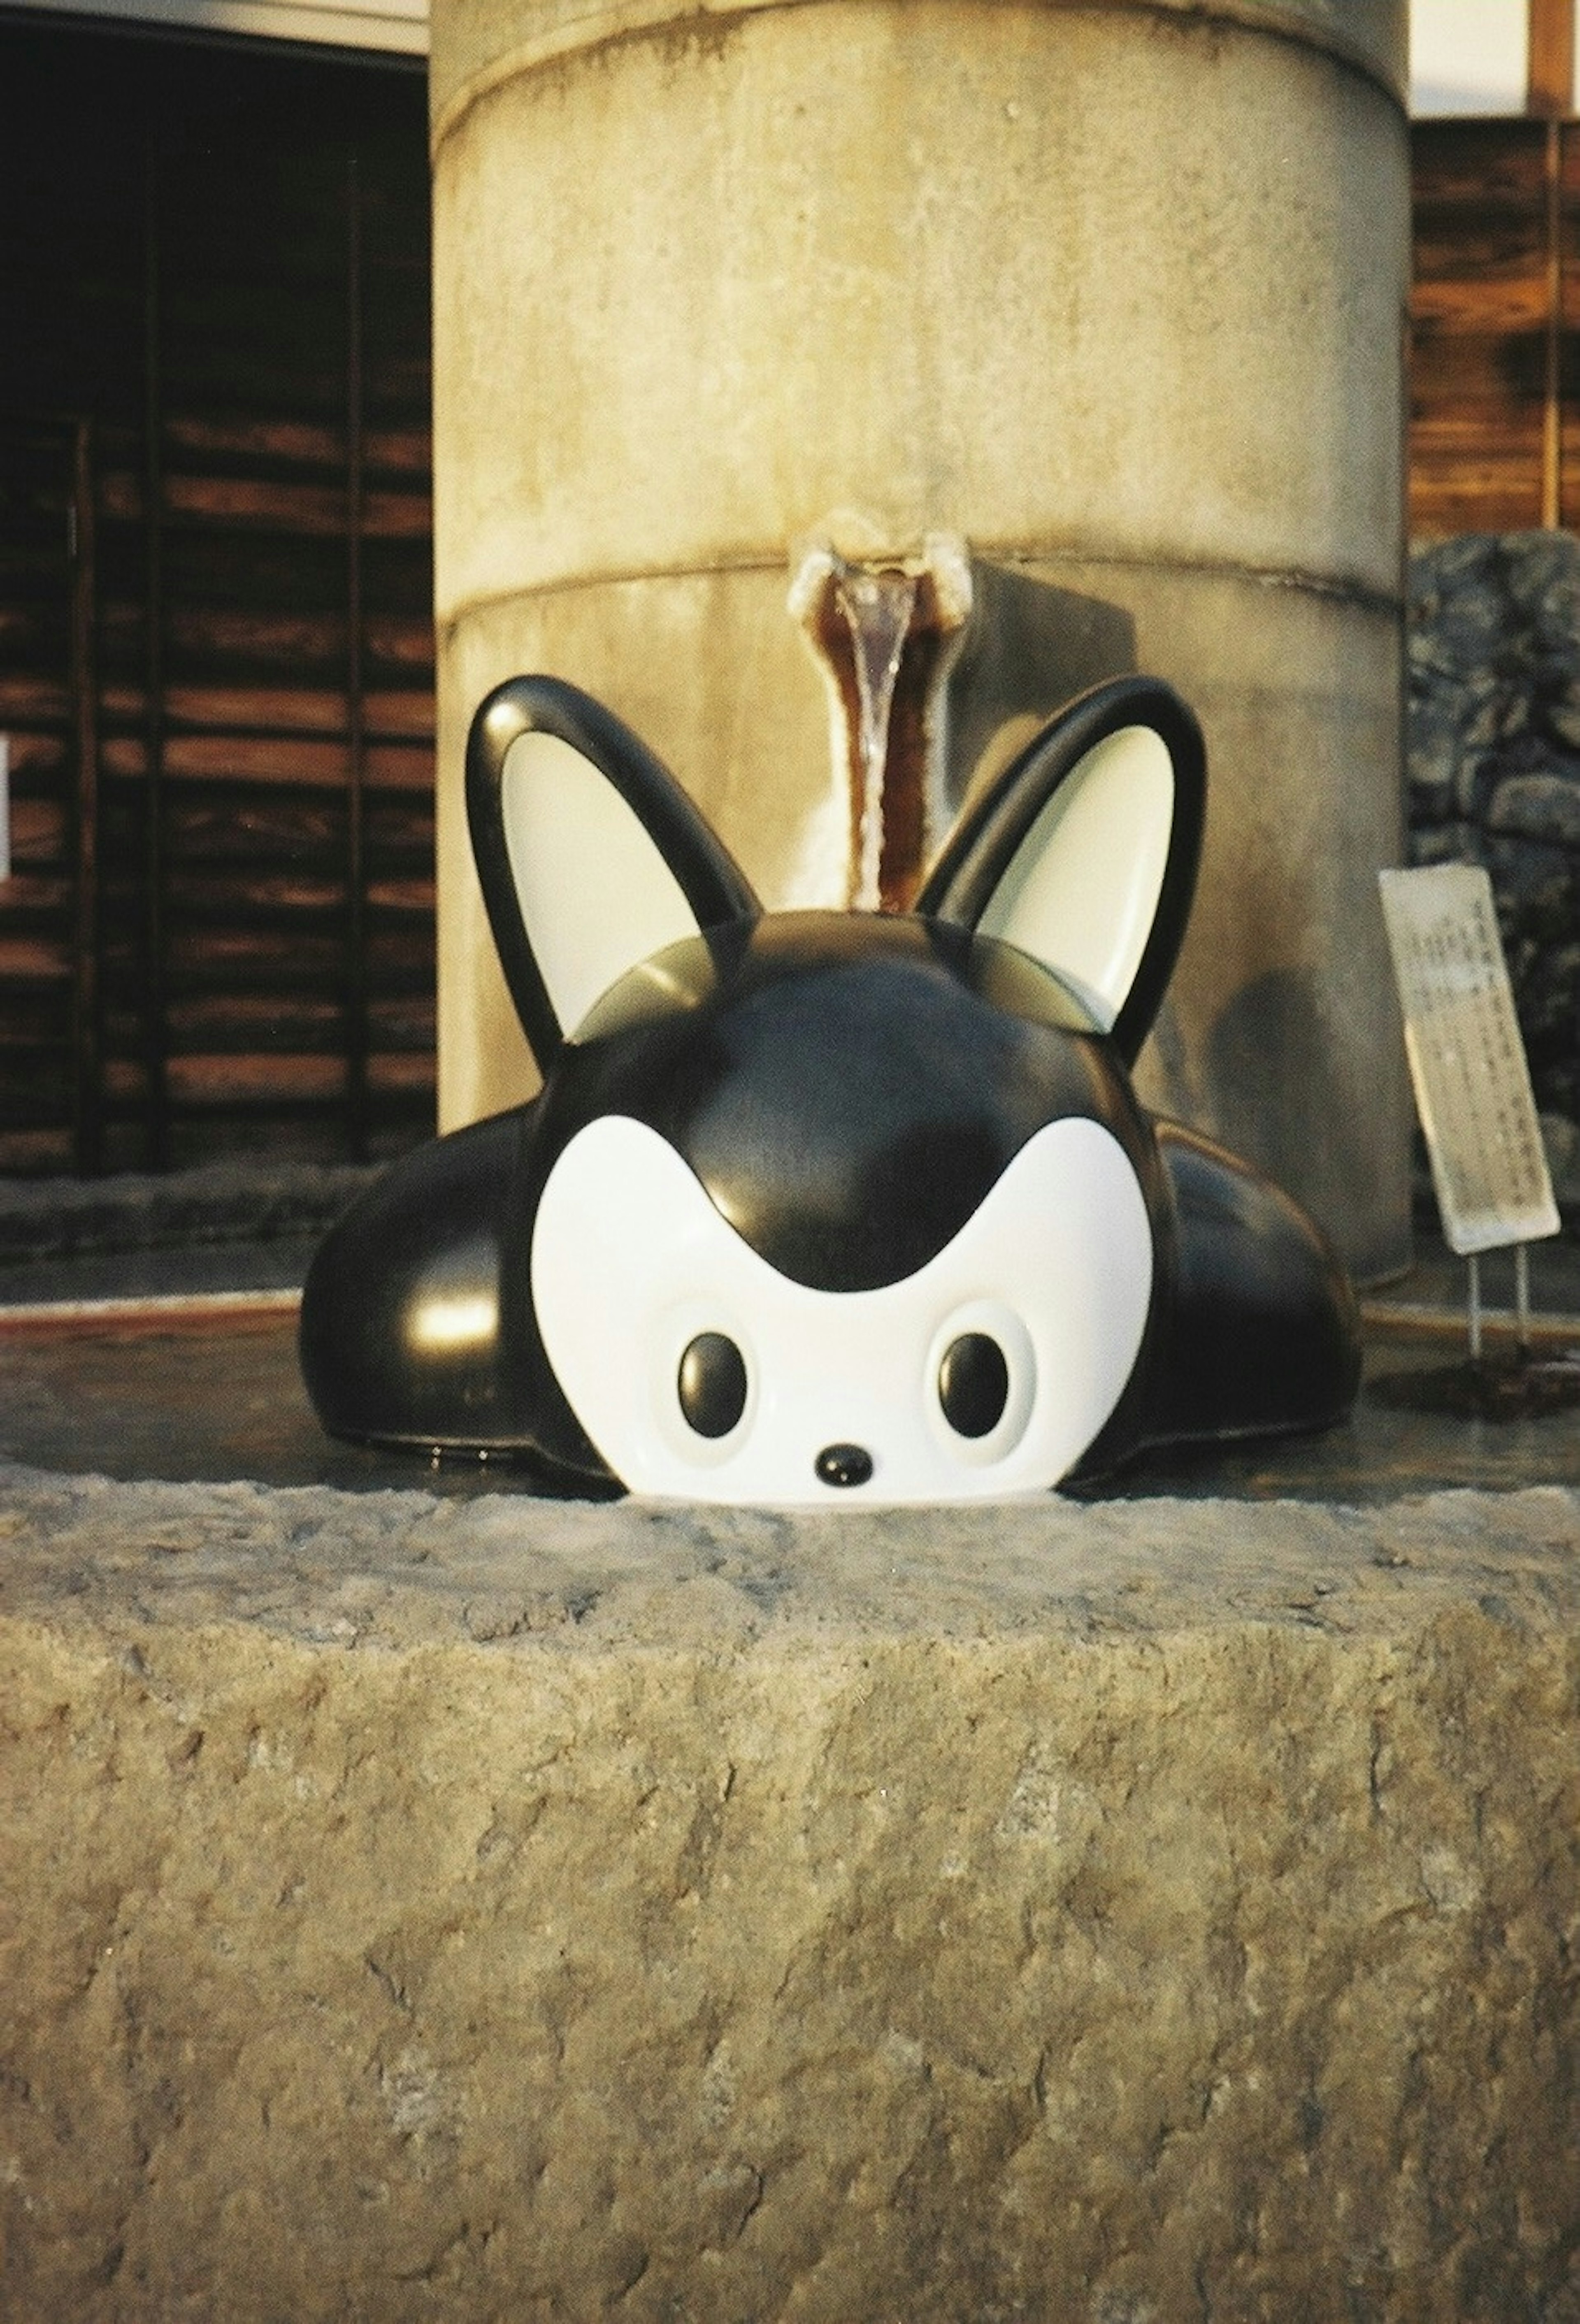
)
(417, 1909)
(1494, 772)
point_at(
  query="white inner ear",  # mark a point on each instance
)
(596, 894)
(1081, 891)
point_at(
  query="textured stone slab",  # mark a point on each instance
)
(416, 1908)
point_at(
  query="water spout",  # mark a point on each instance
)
(885, 631)
(877, 609)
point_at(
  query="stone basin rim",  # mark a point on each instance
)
(404, 1570)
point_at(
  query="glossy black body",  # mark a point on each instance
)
(846, 1089)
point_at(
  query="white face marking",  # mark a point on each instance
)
(631, 1263)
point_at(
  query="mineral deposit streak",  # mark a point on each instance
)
(877, 607)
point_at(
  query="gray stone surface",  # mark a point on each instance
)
(417, 1909)
(222, 1202)
(1494, 768)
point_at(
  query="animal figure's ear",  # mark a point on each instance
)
(1085, 851)
(590, 856)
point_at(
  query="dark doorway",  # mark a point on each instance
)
(215, 627)
(49, 1012)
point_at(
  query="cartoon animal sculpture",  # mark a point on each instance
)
(826, 1207)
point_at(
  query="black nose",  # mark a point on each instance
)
(843, 1465)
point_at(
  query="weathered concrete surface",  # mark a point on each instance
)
(1112, 292)
(1264, 999)
(486, 41)
(415, 1909)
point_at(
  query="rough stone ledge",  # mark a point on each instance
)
(215, 1202)
(415, 1908)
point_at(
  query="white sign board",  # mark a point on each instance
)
(1466, 1058)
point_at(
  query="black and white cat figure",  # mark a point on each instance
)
(828, 1208)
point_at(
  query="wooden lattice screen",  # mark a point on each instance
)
(215, 643)
(216, 635)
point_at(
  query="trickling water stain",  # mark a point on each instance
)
(877, 609)
(885, 631)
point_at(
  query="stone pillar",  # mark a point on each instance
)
(1112, 293)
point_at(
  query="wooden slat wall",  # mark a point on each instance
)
(43, 990)
(1479, 315)
(1495, 327)
(230, 257)
(218, 936)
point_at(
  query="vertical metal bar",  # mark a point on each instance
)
(88, 1131)
(157, 1098)
(357, 1008)
(1473, 1302)
(1523, 1298)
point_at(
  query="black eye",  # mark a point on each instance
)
(974, 1384)
(712, 1384)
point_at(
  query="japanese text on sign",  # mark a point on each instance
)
(1467, 1059)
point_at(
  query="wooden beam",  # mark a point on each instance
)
(157, 1123)
(356, 984)
(87, 1126)
(1552, 428)
(1550, 69)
